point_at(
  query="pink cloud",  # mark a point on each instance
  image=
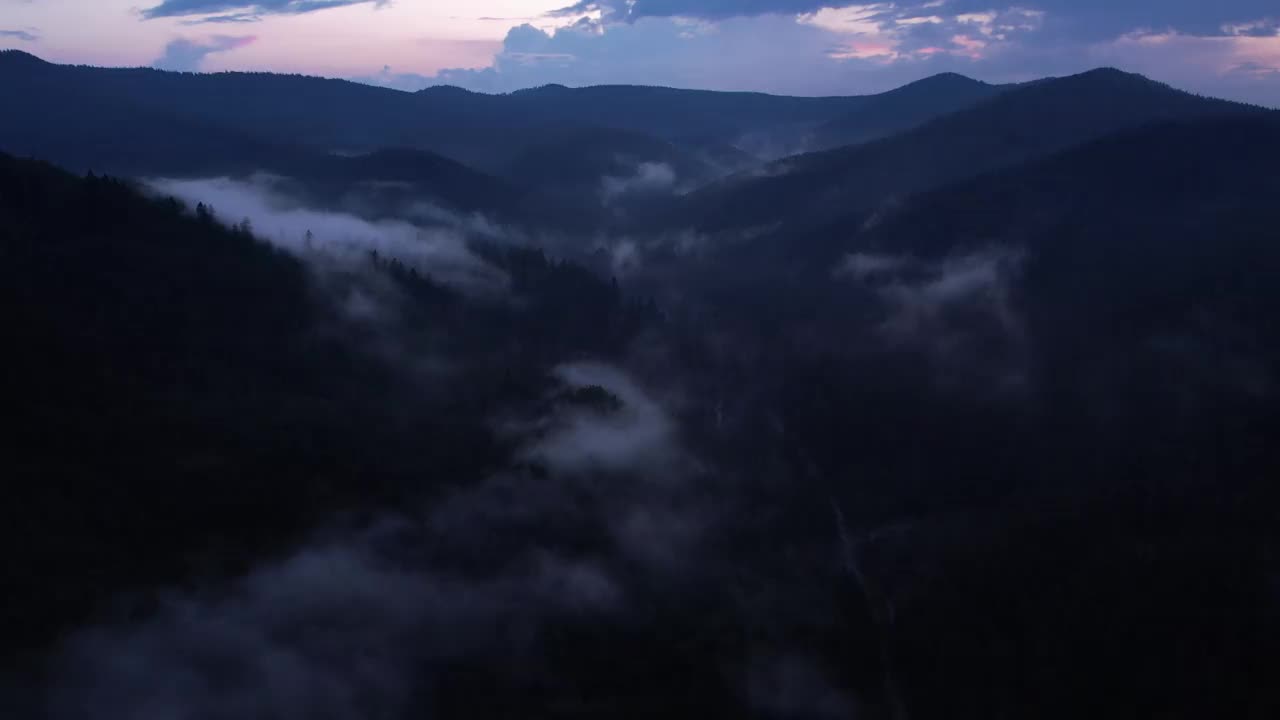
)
(970, 47)
(1238, 66)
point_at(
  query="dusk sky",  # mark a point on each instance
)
(1229, 48)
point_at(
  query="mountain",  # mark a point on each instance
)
(574, 161)
(391, 178)
(1135, 276)
(904, 108)
(235, 115)
(1022, 124)
(288, 109)
(1194, 173)
(168, 377)
(87, 126)
(669, 112)
(1164, 231)
(341, 115)
(1059, 377)
(148, 353)
(148, 122)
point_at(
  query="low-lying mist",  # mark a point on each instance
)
(602, 510)
(439, 251)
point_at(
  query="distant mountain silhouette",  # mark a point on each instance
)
(1022, 124)
(65, 118)
(905, 108)
(328, 114)
(668, 112)
(18, 58)
(143, 121)
(446, 91)
(145, 112)
(570, 141)
(336, 114)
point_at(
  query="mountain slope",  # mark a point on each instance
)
(1090, 336)
(1017, 126)
(392, 177)
(185, 397)
(1166, 174)
(1162, 230)
(905, 108)
(150, 356)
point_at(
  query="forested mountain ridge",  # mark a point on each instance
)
(905, 108)
(228, 111)
(170, 377)
(1059, 379)
(1156, 238)
(338, 114)
(90, 128)
(1015, 126)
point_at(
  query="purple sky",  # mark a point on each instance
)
(1229, 48)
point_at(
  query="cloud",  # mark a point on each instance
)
(917, 306)
(239, 11)
(188, 55)
(1092, 19)
(1239, 66)
(887, 33)
(712, 9)
(865, 266)
(649, 177)
(23, 35)
(327, 237)
(851, 49)
(848, 50)
(612, 440)
(934, 303)
(361, 624)
(820, 48)
(629, 256)
(635, 435)
(274, 644)
(347, 628)
(408, 81)
(1266, 27)
(659, 51)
